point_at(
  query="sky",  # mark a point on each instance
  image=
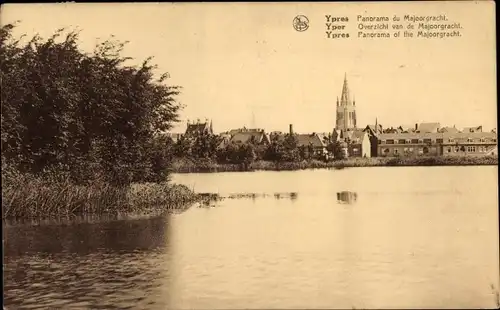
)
(243, 64)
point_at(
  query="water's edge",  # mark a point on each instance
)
(202, 166)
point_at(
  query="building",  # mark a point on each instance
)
(232, 132)
(473, 129)
(470, 143)
(406, 128)
(346, 110)
(325, 137)
(427, 127)
(312, 143)
(358, 143)
(373, 132)
(250, 136)
(437, 143)
(196, 129)
(449, 130)
(408, 144)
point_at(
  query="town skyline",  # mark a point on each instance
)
(346, 99)
(240, 73)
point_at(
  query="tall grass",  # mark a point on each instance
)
(186, 166)
(29, 196)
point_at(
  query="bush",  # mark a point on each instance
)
(83, 114)
(40, 196)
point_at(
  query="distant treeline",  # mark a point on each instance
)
(210, 148)
(191, 166)
(86, 115)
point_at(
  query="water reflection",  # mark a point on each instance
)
(253, 196)
(400, 247)
(346, 197)
(87, 237)
(211, 200)
(291, 196)
(116, 264)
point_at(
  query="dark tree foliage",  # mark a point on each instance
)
(283, 150)
(335, 147)
(237, 154)
(204, 146)
(85, 114)
(183, 148)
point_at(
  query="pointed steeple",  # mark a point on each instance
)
(211, 127)
(345, 98)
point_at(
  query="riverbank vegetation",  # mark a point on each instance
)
(78, 129)
(210, 153)
(187, 166)
(27, 195)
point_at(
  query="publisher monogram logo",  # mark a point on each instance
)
(301, 23)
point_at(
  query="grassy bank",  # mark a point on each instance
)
(27, 196)
(187, 166)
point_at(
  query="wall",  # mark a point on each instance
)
(373, 146)
(367, 147)
(467, 149)
(408, 150)
(360, 149)
(435, 149)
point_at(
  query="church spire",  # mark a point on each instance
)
(346, 109)
(345, 98)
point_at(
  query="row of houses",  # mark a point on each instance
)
(317, 141)
(432, 139)
(370, 141)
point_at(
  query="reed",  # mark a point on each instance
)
(29, 196)
(189, 166)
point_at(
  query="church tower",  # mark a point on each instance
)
(346, 109)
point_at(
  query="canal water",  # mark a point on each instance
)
(381, 237)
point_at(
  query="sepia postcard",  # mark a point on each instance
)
(250, 155)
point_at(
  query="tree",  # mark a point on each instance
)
(283, 149)
(183, 147)
(275, 149)
(70, 111)
(336, 148)
(236, 153)
(248, 153)
(205, 146)
(291, 151)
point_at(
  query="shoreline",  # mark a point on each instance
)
(184, 166)
(26, 197)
